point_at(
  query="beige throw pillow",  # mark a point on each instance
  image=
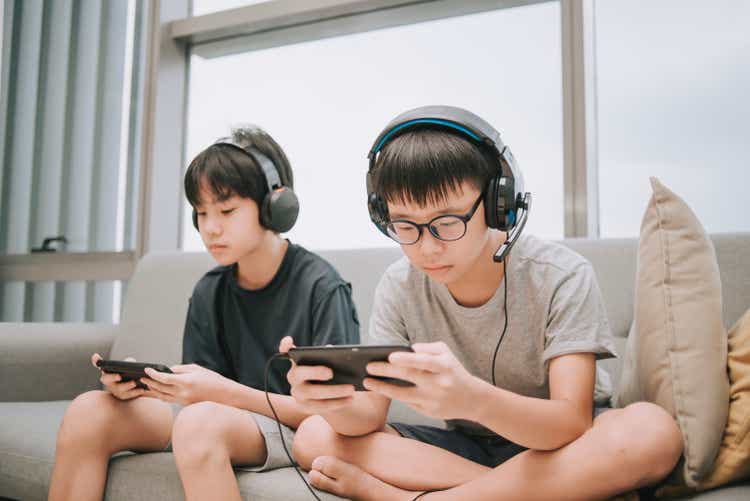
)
(677, 347)
(733, 461)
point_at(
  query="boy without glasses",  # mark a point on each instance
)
(526, 425)
(263, 289)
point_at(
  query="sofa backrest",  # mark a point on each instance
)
(157, 295)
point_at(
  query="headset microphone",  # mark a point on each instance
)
(522, 207)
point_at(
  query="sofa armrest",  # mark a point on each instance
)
(50, 361)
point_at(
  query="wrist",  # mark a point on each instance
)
(479, 400)
(231, 393)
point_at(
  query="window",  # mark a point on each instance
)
(672, 103)
(325, 102)
(201, 7)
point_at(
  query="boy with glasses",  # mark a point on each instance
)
(505, 346)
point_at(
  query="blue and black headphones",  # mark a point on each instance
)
(280, 207)
(506, 205)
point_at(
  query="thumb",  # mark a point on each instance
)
(286, 344)
(95, 358)
(129, 359)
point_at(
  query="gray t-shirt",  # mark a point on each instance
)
(555, 308)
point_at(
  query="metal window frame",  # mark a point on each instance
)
(284, 22)
(173, 34)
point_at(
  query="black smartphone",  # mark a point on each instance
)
(130, 371)
(348, 361)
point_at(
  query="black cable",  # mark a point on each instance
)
(505, 312)
(279, 356)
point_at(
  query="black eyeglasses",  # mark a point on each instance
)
(448, 227)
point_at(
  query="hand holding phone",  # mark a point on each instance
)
(122, 377)
(348, 362)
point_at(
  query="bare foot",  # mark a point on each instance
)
(346, 480)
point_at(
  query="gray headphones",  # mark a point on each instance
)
(280, 207)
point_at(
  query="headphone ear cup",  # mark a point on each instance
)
(490, 204)
(279, 210)
(378, 212)
(195, 220)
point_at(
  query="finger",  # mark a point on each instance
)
(161, 377)
(390, 370)
(130, 394)
(108, 378)
(286, 344)
(422, 361)
(408, 394)
(437, 348)
(182, 369)
(159, 395)
(158, 386)
(120, 388)
(95, 358)
(304, 373)
(129, 359)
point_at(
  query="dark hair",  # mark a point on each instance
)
(227, 171)
(425, 165)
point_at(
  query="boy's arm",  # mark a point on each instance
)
(538, 423)
(445, 389)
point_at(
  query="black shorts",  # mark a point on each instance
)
(489, 451)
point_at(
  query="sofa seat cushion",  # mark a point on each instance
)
(28, 432)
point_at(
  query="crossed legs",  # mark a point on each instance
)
(625, 449)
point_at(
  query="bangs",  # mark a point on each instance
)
(426, 166)
(225, 172)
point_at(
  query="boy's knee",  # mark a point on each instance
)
(314, 437)
(87, 420)
(651, 439)
(197, 433)
(663, 441)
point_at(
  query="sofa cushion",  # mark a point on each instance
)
(676, 355)
(733, 461)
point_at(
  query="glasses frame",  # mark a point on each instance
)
(465, 218)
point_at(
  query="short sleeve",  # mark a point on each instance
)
(335, 318)
(577, 321)
(387, 324)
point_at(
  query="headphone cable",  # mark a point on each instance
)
(279, 356)
(505, 311)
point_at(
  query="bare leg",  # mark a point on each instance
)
(386, 455)
(625, 449)
(95, 426)
(208, 438)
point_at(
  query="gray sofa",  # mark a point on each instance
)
(43, 366)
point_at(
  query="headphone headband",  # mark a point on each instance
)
(271, 173)
(504, 194)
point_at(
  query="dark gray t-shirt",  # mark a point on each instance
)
(555, 308)
(234, 331)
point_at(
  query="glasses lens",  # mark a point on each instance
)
(448, 228)
(403, 232)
